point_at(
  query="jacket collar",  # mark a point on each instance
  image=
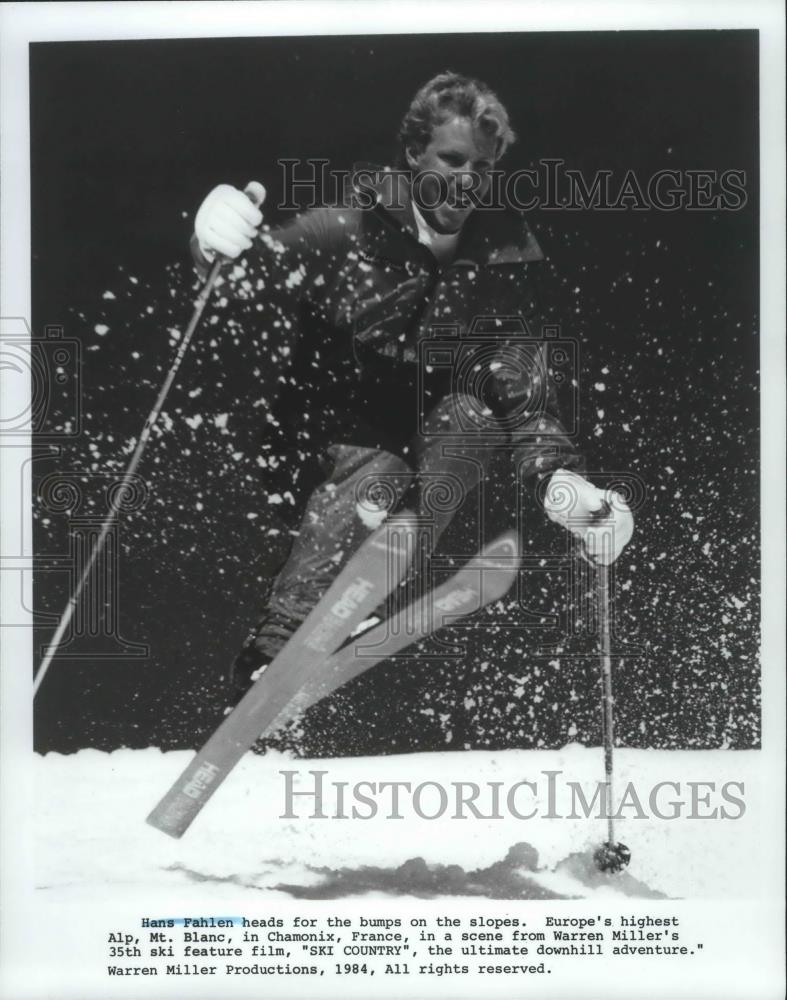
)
(489, 237)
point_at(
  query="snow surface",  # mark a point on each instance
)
(91, 834)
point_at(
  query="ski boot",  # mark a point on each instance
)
(259, 649)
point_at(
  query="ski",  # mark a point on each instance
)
(483, 580)
(378, 566)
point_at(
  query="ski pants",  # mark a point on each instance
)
(448, 461)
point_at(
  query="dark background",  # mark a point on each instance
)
(128, 137)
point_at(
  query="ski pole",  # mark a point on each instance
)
(611, 856)
(256, 194)
(607, 715)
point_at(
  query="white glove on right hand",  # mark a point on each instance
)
(601, 518)
(227, 220)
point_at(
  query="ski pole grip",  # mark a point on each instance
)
(255, 192)
(602, 513)
(595, 516)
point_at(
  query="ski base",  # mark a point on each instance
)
(305, 672)
(485, 579)
(378, 566)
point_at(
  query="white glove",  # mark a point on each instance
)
(227, 221)
(601, 518)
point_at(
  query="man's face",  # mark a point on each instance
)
(456, 161)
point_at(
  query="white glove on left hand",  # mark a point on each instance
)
(228, 219)
(601, 518)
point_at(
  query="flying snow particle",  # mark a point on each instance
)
(295, 278)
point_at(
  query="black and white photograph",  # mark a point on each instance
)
(392, 442)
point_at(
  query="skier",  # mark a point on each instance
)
(407, 263)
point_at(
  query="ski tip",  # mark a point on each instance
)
(175, 834)
(169, 820)
(504, 548)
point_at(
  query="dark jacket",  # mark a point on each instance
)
(374, 331)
